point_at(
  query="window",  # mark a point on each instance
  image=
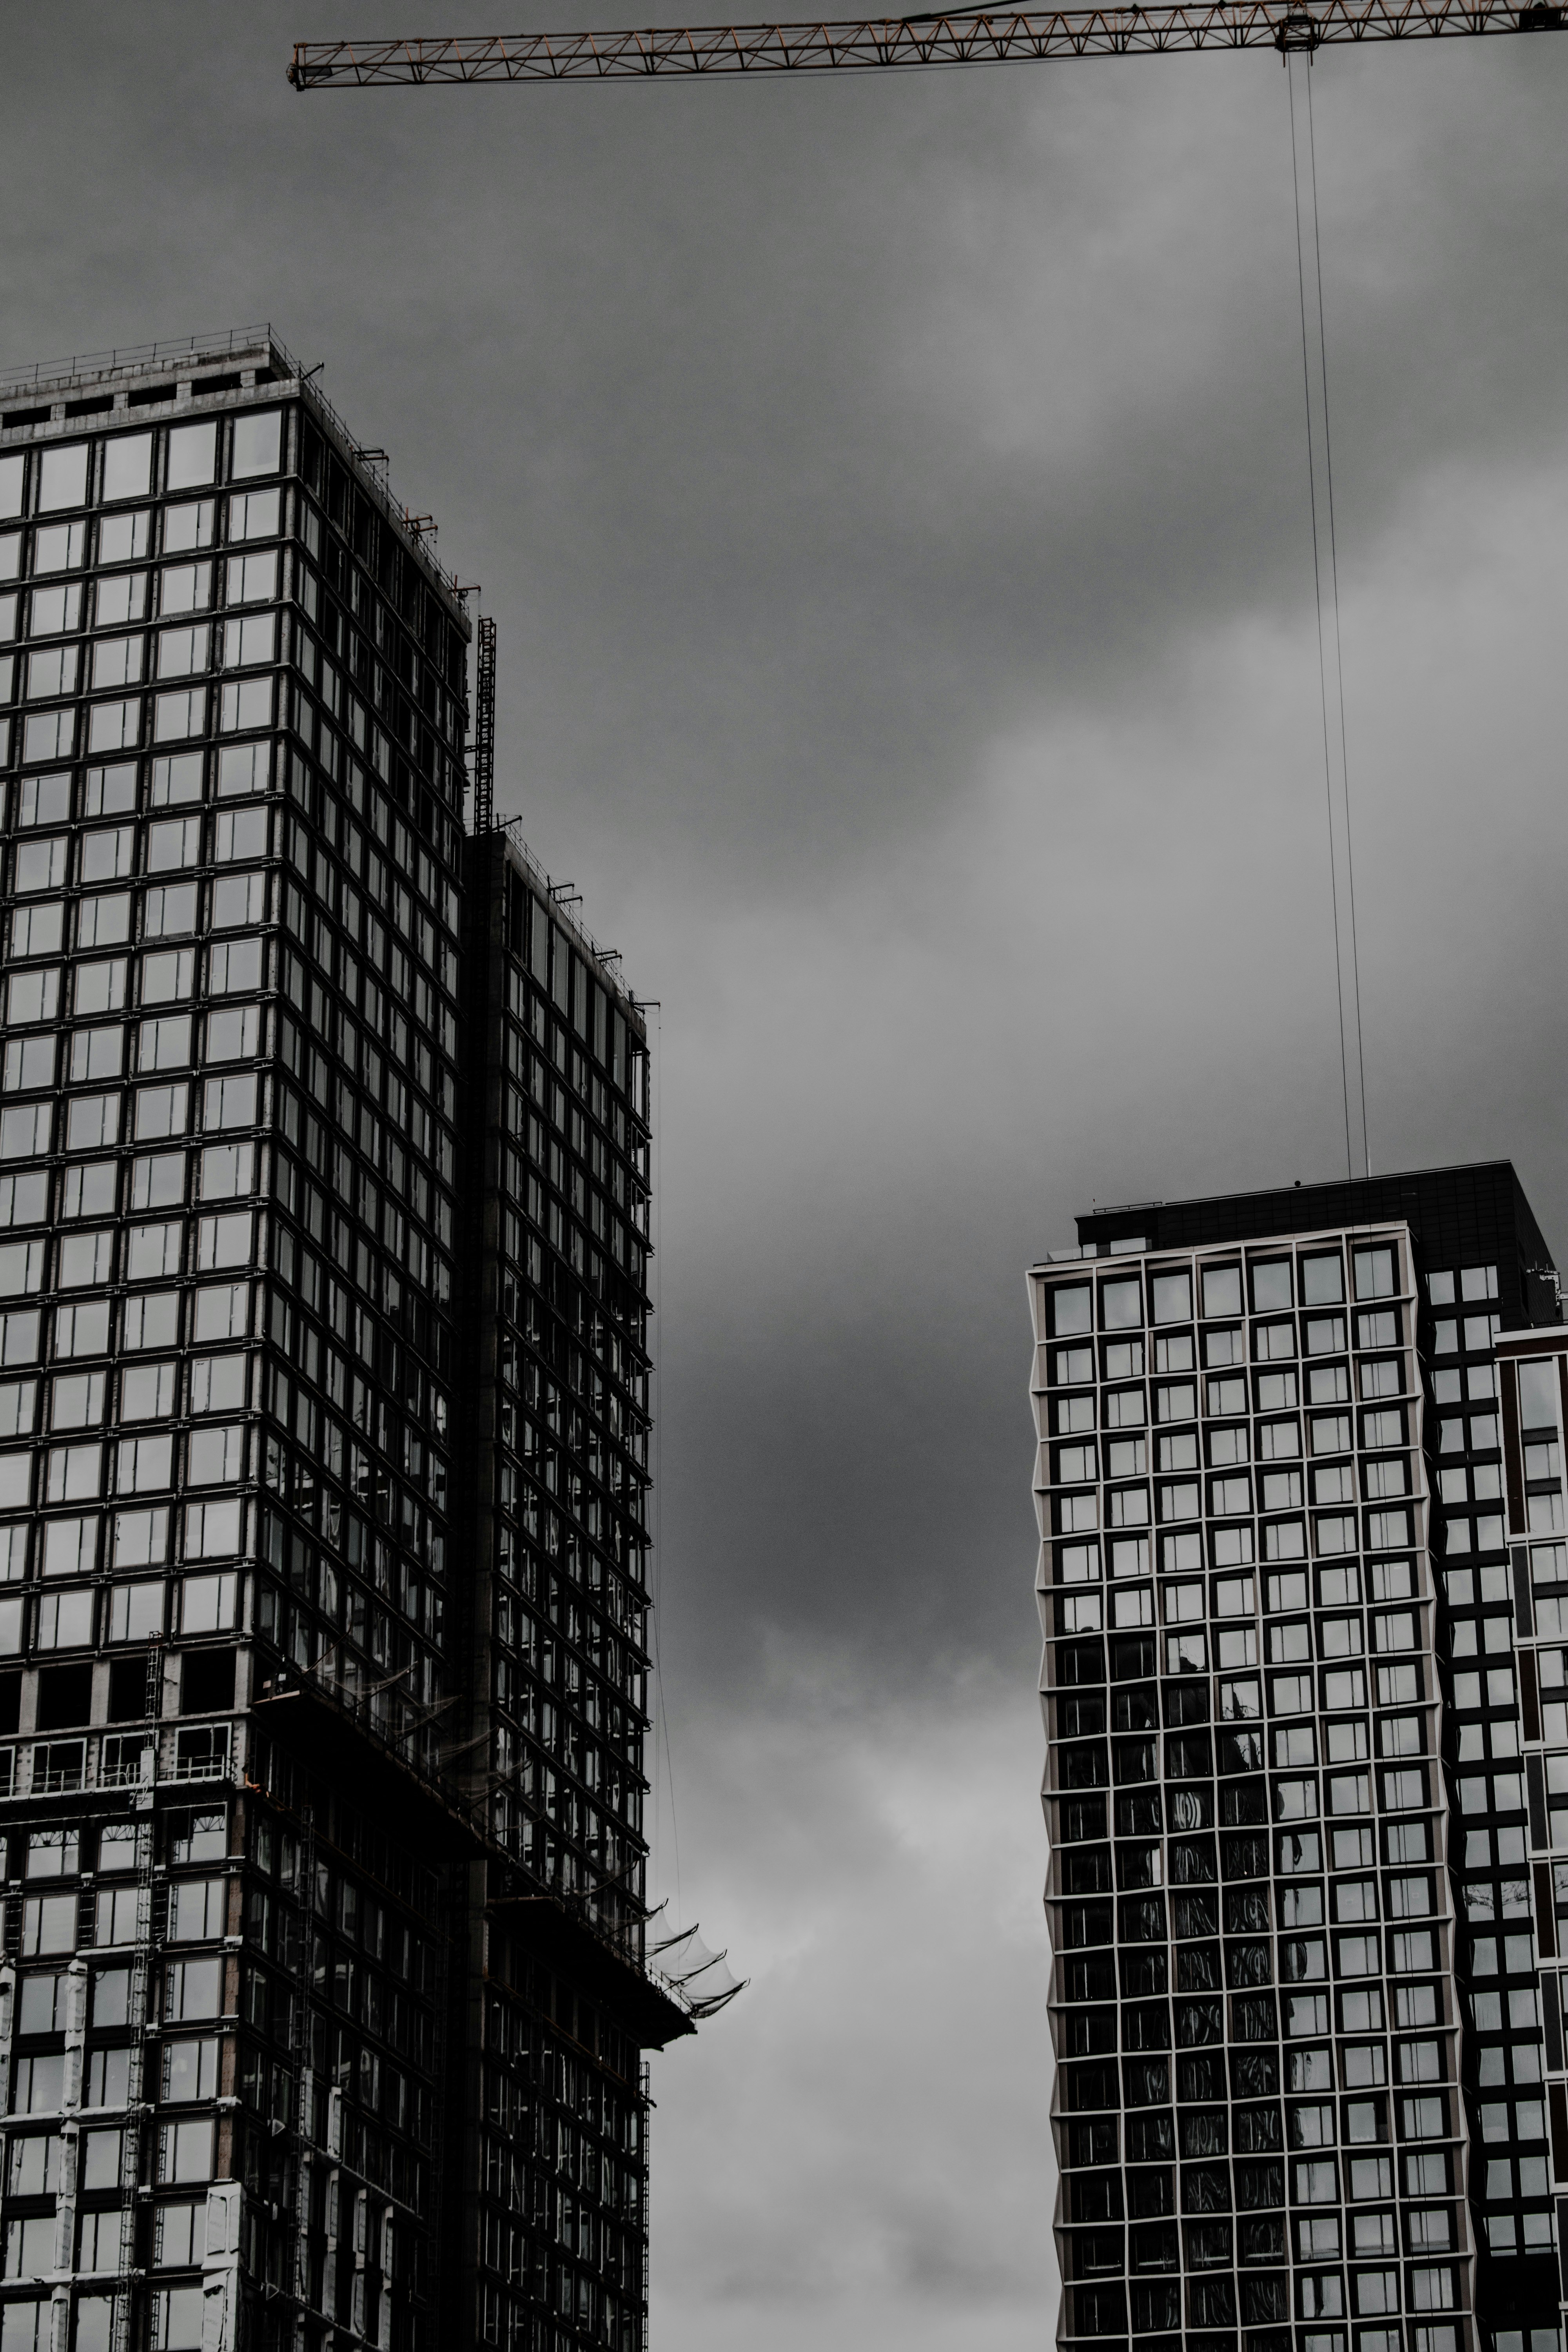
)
(121, 598)
(1069, 1309)
(176, 2316)
(185, 588)
(29, 2254)
(1322, 1281)
(38, 930)
(192, 456)
(208, 1603)
(233, 967)
(154, 1250)
(49, 1925)
(213, 1529)
(52, 1853)
(165, 1043)
(251, 579)
(160, 1111)
(229, 1102)
(221, 1311)
(174, 843)
(224, 1241)
(147, 1392)
(75, 1473)
(50, 672)
(117, 661)
(141, 1541)
(198, 1836)
(239, 901)
(97, 1053)
(22, 1270)
(1540, 1396)
(18, 1401)
(1173, 1297)
(246, 642)
(216, 1458)
(185, 2153)
(239, 834)
(33, 996)
(1121, 1306)
(178, 716)
(64, 1621)
(79, 1331)
(193, 1988)
(124, 538)
(167, 978)
(198, 1909)
(39, 864)
(127, 472)
(176, 778)
(35, 2156)
(191, 2072)
(146, 1464)
(158, 1181)
(62, 547)
(101, 987)
(116, 1919)
(153, 1320)
(135, 1611)
(258, 442)
(62, 477)
(228, 1173)
(29, 1062)
(1375, 1274)
(234, 1036)
(24, 1132)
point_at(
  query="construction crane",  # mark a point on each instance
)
(991, 37)
(958, 37)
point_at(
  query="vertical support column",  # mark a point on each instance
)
(644, 2112)
(485, 729)
(304, 2077)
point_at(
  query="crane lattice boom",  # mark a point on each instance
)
(978, 38)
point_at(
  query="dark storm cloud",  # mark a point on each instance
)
(892, 495)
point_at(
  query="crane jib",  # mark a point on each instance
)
(955, 38)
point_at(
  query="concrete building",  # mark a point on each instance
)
(1299, 1768)
(323, 1414)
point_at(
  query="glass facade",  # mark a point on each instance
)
(1299, 2043)
(323, 1413)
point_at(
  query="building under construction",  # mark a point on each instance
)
(324, 1409)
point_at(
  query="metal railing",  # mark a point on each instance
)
(141, 357)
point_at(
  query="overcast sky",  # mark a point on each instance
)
(891, 494)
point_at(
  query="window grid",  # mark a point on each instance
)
(1251, 1554)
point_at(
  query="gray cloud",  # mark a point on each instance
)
(892, 497)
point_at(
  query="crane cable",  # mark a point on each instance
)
(1305, 167)
(660, 1353)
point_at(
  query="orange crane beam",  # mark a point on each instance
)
(979, 36)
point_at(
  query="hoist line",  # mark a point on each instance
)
(662, 1715)
(1339, 650)
(1318, 608)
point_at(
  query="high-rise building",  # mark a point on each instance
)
(323, 1424)
(1304, 1587)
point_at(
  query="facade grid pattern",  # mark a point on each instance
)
(1474, 1260)
(322, 1433)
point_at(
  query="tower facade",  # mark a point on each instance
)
(324, 1412)
(1299, 2020)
